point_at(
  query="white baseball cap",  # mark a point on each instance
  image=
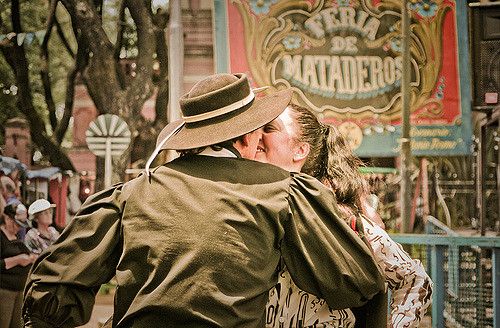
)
(39, 205)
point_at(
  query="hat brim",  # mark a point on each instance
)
(226, 127)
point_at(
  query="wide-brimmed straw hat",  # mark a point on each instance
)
(219, 108)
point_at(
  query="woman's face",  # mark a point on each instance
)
(44, 217)
(278, 143)
(11, 224)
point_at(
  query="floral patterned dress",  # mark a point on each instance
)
(38, 242)
(410, 286)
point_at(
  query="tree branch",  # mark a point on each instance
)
(100, 72)
(98, 6)
(64, 41)
(15, 17)
(160, 20)
(44, 70)
(120, 28)
(70, 93)
(141, 87)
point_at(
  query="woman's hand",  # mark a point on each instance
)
(21, 259)
(25, 259)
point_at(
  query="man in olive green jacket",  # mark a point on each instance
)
(197, 242)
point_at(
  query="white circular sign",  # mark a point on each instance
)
(110, 132)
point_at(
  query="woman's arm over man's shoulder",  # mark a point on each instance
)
(410, 285)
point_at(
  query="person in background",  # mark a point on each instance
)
(297, 141)
(15, 263)
(9, 190)
(10, 194)
(42, 235)
(197, 241)
(2, 199)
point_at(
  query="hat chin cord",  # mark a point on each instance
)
(158, 148)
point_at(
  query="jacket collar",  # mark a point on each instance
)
(224, 152)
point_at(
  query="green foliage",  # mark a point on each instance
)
(111, 19)
(107, 288)
(33, 19)
(7, 96)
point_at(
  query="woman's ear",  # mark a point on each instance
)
(301, 151)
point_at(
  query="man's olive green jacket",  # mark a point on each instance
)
(198, 244)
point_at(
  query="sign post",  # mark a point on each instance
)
(108, 135)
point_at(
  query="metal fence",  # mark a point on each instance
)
(466, 276)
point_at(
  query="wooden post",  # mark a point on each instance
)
(175, 63)
(406, 160)
(437, 276)
(425, 186)
(108, 166)
(496, 286)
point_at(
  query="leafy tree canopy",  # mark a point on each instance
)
(117, 49)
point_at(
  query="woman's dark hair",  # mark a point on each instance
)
(330, 160)
(10, 210)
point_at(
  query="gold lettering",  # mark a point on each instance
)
(321, 62)
(423, 132)
(310, 76)
(348, 75)
(420, 144)
(362, 62)
(399, 67)
(292, 67)
(329, 19)
(377, 73)
(313, 24)
(347, 16)
(443, 144)
(362, 16)
(389, 70)
(371, 28)
(332, 19)
(336, 75)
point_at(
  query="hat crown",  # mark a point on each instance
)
(39, 205)
(216, 96)
(211, 83)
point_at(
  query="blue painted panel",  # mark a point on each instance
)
(221, 50)
(417, 239)
(426, 140)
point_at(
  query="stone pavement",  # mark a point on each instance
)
(103, 309)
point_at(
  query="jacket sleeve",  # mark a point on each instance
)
(410, 286)
(323, 255)
(60, 291)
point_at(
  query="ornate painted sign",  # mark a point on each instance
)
(343, 60)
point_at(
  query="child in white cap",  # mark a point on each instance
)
(42, 235)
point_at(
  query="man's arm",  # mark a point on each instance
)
(61, 289)
(323, 255)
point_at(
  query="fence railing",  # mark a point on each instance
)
(466, 276)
